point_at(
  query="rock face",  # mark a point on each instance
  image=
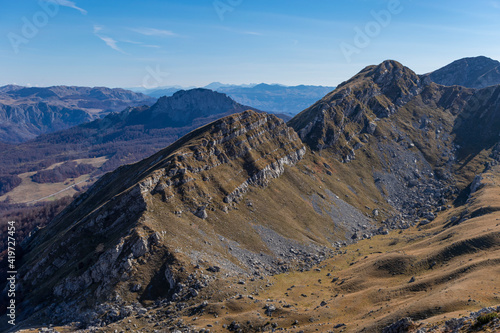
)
(145, 213)
(476, 72)
(28, 112)
(184, 106)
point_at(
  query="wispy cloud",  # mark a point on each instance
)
(97, 28)
(108, 40)
(251, 33)
(131, 41)
(154, 32)
(240, 32)
(111, 43)
(70, 4)
(495, 4)
(140, 43)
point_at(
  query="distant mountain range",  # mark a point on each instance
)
(26, 112)
(273, 98)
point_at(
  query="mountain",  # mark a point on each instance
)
(275, 98)
(375, 209)
(476, 72)
(120, 138)
(28, 112)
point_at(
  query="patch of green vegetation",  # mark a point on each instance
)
(485, 319)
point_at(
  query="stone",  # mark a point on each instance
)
(140, 247)
(270, 309)
(371, 127)
(201, 213)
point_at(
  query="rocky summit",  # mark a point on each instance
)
(375, 209)
(474, 72)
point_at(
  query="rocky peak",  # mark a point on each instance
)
(186, 105)
(375, 92)
(474, 72)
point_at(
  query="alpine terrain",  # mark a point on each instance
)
(373, 210)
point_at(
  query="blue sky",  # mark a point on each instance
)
(125, 43)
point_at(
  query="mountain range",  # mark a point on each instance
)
(26, 112)
(375, 209)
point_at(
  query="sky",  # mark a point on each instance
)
(156, 43)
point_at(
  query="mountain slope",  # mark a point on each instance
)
(426, 142)
(476, 72)
(151, 222)
(28, 112)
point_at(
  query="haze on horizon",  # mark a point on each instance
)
(163, 43)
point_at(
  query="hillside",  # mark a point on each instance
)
(376, 203)
(475, 72)
(28, 112)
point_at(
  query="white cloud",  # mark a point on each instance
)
(131, 42)
(495, 4)
(252, 33)
(140, 43)
(70, 4)
(111, 43)
(154, 32)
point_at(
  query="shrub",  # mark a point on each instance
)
(486, 318)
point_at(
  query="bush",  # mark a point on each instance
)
(486, 318)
